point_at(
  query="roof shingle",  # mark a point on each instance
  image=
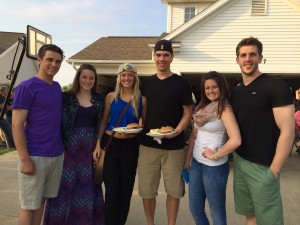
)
(7, 39)
(118, 48)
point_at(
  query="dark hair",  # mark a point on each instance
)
(75, 86)
(249, 41)
(50, 47)
(3, 88)
(224, 91)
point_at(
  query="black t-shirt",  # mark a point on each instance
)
(253, 107)
(297, 105)
(165, 99)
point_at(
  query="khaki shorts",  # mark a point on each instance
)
(43, 184)
(152, 162)
(257, 192)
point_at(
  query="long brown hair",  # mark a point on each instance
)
(224, 91)
(75, 86)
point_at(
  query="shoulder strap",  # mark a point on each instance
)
(119, 121)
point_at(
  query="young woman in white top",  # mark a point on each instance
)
(215, 134)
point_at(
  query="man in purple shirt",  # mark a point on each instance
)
(36, 120)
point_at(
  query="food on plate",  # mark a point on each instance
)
(133, 126)
(162, 130)
(154, 131)
(166, 129)
(119, 129)
(129, 129)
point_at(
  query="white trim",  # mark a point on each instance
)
(200, 16)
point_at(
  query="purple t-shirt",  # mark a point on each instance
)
(44, 104)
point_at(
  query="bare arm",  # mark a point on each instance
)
(189, 152)
(184, 122)
(105, 117)
(233, 132)
(284, 117)
(144, 103)
(18, 119)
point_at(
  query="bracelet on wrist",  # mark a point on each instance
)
(216, 156)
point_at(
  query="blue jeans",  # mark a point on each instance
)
(208, 182)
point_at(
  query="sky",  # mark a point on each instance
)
(75, 24)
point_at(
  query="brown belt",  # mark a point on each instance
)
(120, 135)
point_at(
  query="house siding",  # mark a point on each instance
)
(28, 67)
(210, 44)
(208, 41)
(176, 12)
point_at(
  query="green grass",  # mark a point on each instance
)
(5, 150)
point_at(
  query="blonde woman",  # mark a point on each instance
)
(121, 158)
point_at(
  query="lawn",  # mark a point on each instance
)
(5, 150)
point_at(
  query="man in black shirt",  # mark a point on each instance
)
(169, 103)
(263, 106)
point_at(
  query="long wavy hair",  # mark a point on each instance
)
(224, 91)
(75, 85)
(136, 87)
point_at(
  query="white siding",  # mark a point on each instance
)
(28, 67)
(176, 12)
(210, 45)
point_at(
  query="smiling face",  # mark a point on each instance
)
(49, 64)
(87, 80)
(163, 60)
(212, 90)
(127, 79)
(248, 60)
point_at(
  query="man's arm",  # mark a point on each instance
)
(284, 117)
(189, 152)
(184, 122)
(143, 116)
(185, 119)
(18, 119)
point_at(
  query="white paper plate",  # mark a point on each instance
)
(126, 130)
(160, 134)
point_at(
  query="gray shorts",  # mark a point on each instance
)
(43, 184)
(152, 162)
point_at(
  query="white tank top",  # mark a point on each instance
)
(212, 135)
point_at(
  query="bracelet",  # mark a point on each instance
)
(216, 157)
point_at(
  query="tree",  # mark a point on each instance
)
(66, 87)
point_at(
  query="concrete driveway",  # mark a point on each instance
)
(290, 188)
